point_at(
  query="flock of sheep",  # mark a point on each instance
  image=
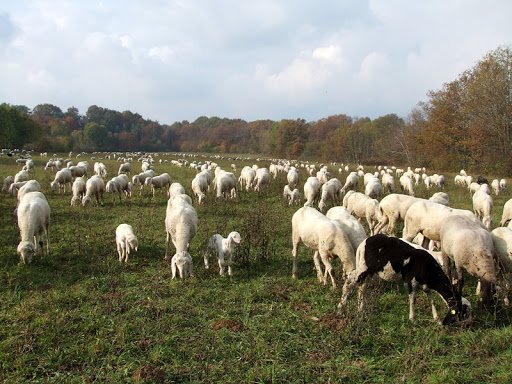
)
(445, 241)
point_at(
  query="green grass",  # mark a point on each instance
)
(80, 316)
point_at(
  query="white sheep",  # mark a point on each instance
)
(225, 185)
(247, 176)
(364, 207)
(330, 193)
(95, 186)
(34, 222)
(29, 186)
(350, 182)
(119, 184)
(460, 180)
(502, 239)
(78, 190)
(62, 178)
(100, 169)
(140, 179)
(21, 176)
(262, 179)
(388, 182)
(126, 241)
(373, 188)
(406, 185)
(181, 227)
(393, 207)
(328, 240)
(350, 225)
(507, 213)
(223, 248)
(503, 184)
(311, 190)
(440, 198)
(78, 171)
(157, 182)
(125, 168)
(200, 187)
(8, 180)
(292, 177)
(176, 189)
(482, 206)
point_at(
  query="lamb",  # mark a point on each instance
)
(29, 165)
(247, 176)
(181, 227)
(311, 190)
(326, 237)
(226, 184)
(392, 257)
(223, 248)
(350, 182)
(62, 178)
(53, 164)
(126, 241)
(460, 180)
(482, 206)
(200, 187)
(78, 190)
(292, 177)
(330, 193)
(157, 182)
(34, 222)
(262, 179)
(392, 208)
(95, 186)
(503, 184)
(125, 168)
(507, 213)
(293, 197)
(470, 246)
(406, 185)
(119, 184)
(495, 185)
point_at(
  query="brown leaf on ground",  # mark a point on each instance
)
(232, 325)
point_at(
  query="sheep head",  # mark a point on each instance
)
(26, 250)
(181, 262)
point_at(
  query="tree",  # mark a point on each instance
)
(97, 134)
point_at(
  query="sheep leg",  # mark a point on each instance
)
(126, 251)
(173, 267)
(434, 310)
(221, 264)
(206, 260)
(328, 268)
(318, 267)
(382, 223)
(295, 248)
(168, 241)
(412, 287)
(120, 252)
(230, 271)
(348, 289)
(47, 230)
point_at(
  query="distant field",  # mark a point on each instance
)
(80, 316)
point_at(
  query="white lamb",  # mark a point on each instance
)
(364, 207)
(388, 183)
(223, 248)
(78, 171)
(181, 227)
(495, 185)
(328, 240)
(292, 197)
(95, 186)
(21, 176)
(121, 185)
(100, 169)
(34, 223)
(482, 206)
(140, 179)
(62, 178)
(225, 185)
(126, 241)
(311, 190)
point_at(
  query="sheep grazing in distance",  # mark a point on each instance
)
(62, 178)
(100, 169)
(78, 171)
(223, 248)
(125, 168)
(21, 176)
(363, 207)
(200, 187)
(157, 182)
(502, 239)
(95, 186)
(126, 241)
(119, 184)
(350, 182)
(140, 179)
(33, 214)
(181, 227)
(328, 240)
(495, 185)
(406, 185)
(388, 183)
(391, 256)
(311, 190)
(225, 185)
(292, 197)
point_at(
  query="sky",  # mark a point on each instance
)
(174, 60)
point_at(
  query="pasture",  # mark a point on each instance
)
(79, 315)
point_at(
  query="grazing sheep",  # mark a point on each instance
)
(311, 190)
(503, 184)
(95, 186)
(140, 179)
(33, 221)
(176, 189)
(350, 225)
(330, 193)
(363, 207)
(293, 197)
(470, 246)
(119, 184)
(495, 185)
(350, 182)
(8, 180)
(157, 182)
(78, 189)
(29, 186)
(507, 213)
(125, 168)
(62, 178)
(502, 240)
(388, 183)
(100, 169)
(200, 187)
(393, 207)
(225, 185)
(262, 179)
(126, 241)
(292, 177)
(373, 188)
(181, 227)
(247, 176)
(326, 237)
(406, 185)
(223, 248)
(21, 176)
(78, 171)
(482, 206)
(392, 257)
(460, 180)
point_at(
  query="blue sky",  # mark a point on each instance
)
(178, 60)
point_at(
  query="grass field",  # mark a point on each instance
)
(80, 316)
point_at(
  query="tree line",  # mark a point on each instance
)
(465, 124)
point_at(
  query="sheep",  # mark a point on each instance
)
(100, 169)
(29, 165)
(460, 180)
(78, 171)
(247, 176)
(8, 180)
(392, 208)
(406, 185)
(140, 179)
(329, 193)
(393, 258)
(363, 207)
(388, 183)
(326, 237)
(176, 189)
(507, 213)
(62, 178)
(292, 177)
(503, 184)
(373, 188)
(223, 248)
(200, 187)
(34, 222)
(125, 168)
(311, 190)
(29, 186)
(350, 225)
(502, 240)
(225, 185)
(14, 187)
(53, 164)
(482, 206)
(470, 246)
(293, 197)
(181, 227)
(160, 181)
(95, 186)
(262, 179)
(78, 188)
(21, 176)
(119, 184)
(440, 198)
(495, 185)
(350, 182)
(126, 241)
(322, 175)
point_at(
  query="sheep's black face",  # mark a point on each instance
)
(456, 316)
